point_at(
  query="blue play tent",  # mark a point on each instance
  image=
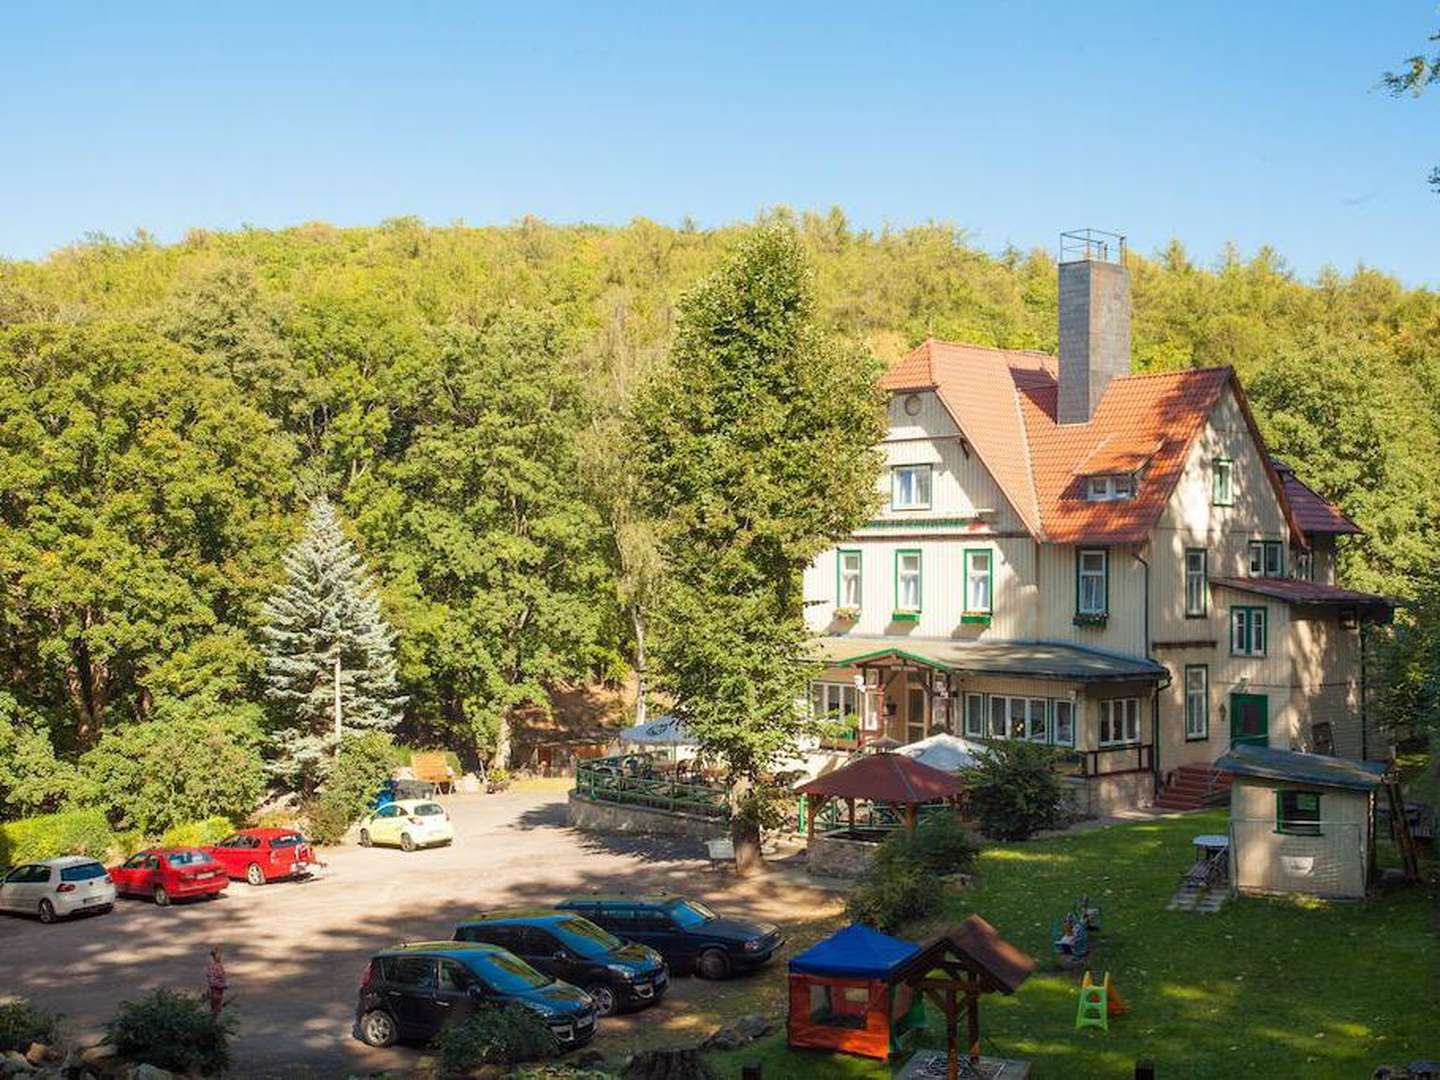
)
(845, 994)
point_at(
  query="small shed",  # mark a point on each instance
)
(1301, 822)
(846, 995)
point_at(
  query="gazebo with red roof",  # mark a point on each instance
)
(884, 778)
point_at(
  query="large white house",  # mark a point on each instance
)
(1104, 562)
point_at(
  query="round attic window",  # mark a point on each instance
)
(912, 405)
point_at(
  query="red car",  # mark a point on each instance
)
(166, 874)
(261, 855)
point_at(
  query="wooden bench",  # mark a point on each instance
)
(431, 766)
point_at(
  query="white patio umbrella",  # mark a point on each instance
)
(666, 731)
(948, 753)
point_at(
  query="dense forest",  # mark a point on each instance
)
(169, 412)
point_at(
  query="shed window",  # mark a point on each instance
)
(1297, 812)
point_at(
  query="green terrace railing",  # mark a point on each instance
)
(834, 815)
(636, 780)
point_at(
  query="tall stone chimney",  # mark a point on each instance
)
(1094, 320)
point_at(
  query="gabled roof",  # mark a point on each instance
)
(1316, 514)
(1004, 402)
(1269, 763)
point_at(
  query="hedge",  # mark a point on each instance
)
(70, 832)
(196, 833)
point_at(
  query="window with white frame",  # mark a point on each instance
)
(1119, 721)
(998, 708)
(1109, 488)
(1248, 631)
(1196, 586)
(979, 577)
(1197, 701)
(1267, 558)
(1090, 576)
(1036, 727)
(910, 487)
(848, 575)
(1062, 722)
(907, 581)
(975, 716)
(836, 702)
(1223, 489)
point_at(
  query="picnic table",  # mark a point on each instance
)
(1212, 860)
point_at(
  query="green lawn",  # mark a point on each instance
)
(1265, 988)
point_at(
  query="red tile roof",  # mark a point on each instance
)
(1004, 402)
(1314, 512)
(892, 778)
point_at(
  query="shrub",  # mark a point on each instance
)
(364, 763)
(171, 1031)
(940, 844)
(70, 832)
(196, 833)
(192, 762)
(895, 890)
(22, 1024)
(506, 1035)
(1014, 792)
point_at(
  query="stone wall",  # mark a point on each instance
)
(591, 815)
(1101, 795)
(828, 855)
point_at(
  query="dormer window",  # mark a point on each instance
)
(910, 487)
(1109, 487)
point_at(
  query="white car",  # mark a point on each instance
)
(56, 888)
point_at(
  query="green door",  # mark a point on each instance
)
(1249, 720)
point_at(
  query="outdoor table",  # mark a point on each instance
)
(1212, 842)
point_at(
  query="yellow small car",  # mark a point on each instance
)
(410, 823)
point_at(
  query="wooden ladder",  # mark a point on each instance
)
(1400, 829)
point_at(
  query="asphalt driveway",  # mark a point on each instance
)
(295, 951)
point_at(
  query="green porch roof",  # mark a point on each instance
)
(1025, 659)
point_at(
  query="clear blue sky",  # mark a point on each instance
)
(1248, 122)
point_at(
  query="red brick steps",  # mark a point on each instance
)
(1193, 787)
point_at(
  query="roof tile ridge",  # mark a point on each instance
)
(1033, 492)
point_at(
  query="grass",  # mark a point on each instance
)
(1265, 988)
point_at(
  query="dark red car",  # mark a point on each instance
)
(261, 855)
(165, 874)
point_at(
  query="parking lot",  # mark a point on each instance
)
(295, 952)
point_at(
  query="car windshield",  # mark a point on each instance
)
(288, 840)
(187, 858)
(507, 974)
(585, 937)
(429, 809)
(83, 872)
(690, 913)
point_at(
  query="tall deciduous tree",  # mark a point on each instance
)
(758, 449)
(329, 653)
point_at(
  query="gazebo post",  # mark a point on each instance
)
(972, 1017)
(812, 809)
(910, 816)
(952, 1052)
(851, 804)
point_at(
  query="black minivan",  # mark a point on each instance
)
(561, 943)
(687, 933)
(410, 992)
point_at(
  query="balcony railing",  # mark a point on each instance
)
(643, 780)
(1109, 760)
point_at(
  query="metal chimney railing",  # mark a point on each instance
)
(1092, 245)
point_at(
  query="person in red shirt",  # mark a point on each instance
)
(215, 981)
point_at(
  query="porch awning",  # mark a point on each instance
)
(1308, 593)
(1032, 659)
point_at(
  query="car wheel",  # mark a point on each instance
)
(162, 898)
(364, 837)
(254, 875)
(47, 911)
(713, 964)
(105, 909)
(606, 1003)
(377, 1028)
(407, 842)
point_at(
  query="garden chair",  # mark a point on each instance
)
(1070, 940)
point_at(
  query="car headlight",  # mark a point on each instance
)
(619, 969)
(754, 944)
(542, 1008)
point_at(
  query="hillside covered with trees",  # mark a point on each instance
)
(463, 396)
